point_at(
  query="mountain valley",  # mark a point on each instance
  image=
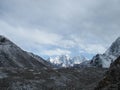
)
(21, 70)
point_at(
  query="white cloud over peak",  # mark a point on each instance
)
(56, 52)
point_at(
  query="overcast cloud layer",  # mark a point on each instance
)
(55, 27)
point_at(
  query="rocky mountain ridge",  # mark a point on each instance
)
(104, 60)
(13, 56)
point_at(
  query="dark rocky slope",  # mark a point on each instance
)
(112, 79)
(13, 56)
(61, 79)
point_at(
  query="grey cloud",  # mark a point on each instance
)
(77, 22)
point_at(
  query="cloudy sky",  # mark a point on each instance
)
(55, 27)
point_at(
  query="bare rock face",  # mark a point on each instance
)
(112, 79)
(13, 56)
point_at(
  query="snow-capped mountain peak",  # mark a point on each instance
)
(78, 59)
(111, 54)
(66, 60)
(114, 48)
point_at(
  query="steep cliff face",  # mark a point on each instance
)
(13, 56)
(111, 80)
(104, 60)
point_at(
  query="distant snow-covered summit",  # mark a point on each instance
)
(66, 60)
